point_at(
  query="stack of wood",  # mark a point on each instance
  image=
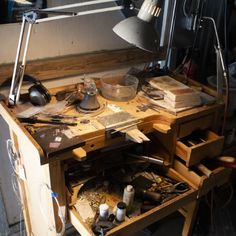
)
(182, 97)
(176, 94)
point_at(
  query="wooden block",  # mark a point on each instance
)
(136, 136)
(166, 83)
(79, 154)
(163, 128)
(181, 94)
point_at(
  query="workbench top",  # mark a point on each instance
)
(94, 133)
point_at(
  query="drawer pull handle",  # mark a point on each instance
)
(204, 170)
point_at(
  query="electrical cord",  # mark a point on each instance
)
(13, 158)
(54, 195)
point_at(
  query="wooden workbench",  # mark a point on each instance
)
(43, 175)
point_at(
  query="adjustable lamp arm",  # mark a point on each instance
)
(31, 17)
(220, 61)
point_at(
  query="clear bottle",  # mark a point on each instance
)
(128, 197)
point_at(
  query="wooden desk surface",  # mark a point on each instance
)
(93, 133)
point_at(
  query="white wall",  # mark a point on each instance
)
(63, 37)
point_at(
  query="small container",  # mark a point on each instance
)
(128, 197)
(103, 211)
(119, 88)
(120, 212)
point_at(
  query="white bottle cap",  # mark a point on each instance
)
(129, 188)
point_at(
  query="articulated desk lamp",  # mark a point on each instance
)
(221, 73)
(137, 30)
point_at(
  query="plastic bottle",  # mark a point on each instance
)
(128, 197)
(103, 211)
(120, 212)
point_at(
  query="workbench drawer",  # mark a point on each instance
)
(139, 222)
(192, 149)
(203, 177)
(200, 123)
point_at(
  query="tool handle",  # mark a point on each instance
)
(151, 196)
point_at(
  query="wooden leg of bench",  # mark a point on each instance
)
(191, 212)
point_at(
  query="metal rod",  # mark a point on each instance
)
(81, 4)
(215, 29)
(89, 12)
(14, 76)
(146, 158)
(220, 56)
(23, 64)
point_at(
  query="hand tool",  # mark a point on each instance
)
(51, 121)
(180, 187)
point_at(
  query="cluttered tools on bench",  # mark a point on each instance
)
(121, 193)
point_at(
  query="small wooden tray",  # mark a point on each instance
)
(211, 147)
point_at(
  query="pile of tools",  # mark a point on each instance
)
(114, 200)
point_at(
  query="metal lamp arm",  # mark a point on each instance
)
(218, 47)
(18, 73)
(31, 17)
(221, 60)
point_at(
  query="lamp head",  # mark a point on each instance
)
(140, 30)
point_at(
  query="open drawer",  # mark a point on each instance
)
(140, 221)
(203, 177)
(199, 145)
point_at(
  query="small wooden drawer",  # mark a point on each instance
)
(209, 146)
(200, 123)
(139, 222)
(216, 176)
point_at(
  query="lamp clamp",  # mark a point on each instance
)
(30, 17)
